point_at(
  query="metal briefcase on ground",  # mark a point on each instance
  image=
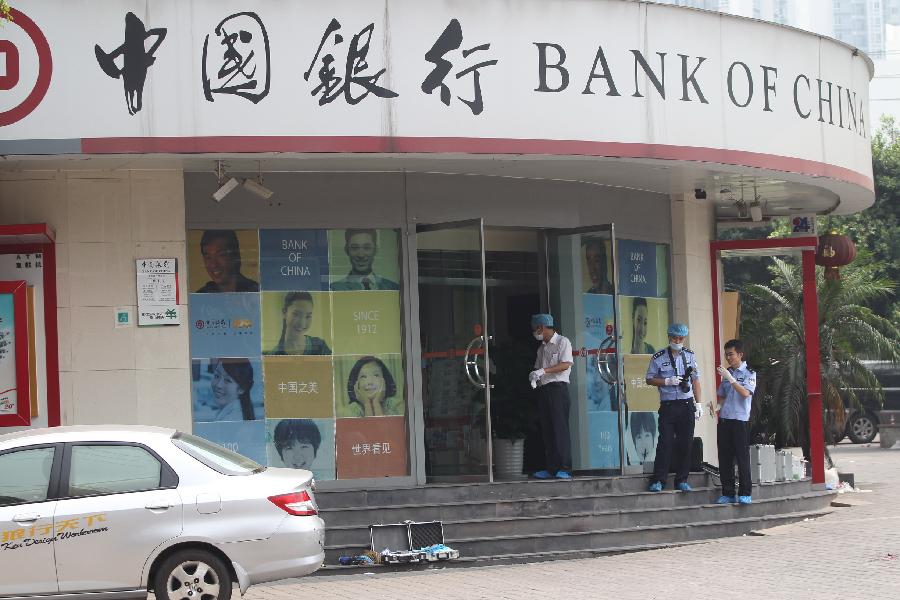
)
(784, 465)
(410, 542)
(762, 463)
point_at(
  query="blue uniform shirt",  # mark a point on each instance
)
(736, 406)
(661, 366)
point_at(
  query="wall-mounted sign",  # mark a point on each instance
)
(470, 74)
(29, 267)
(157, 291)
(15, 405)
(803, 225)
(122, 317)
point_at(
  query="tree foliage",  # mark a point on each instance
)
(876, 230)
(849, 331)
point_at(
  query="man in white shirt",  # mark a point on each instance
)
(551, 377)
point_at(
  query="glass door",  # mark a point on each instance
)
(455, 354)
(582, 294)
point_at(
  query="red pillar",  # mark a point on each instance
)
(813, 373)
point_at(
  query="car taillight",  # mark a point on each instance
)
(295, 503)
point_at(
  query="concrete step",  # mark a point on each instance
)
(506, 490)
(623, 537)
(466, 530)
(536, 506)
(699, 533)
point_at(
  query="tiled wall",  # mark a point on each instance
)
(103, 221)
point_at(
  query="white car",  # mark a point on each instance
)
(122, 510)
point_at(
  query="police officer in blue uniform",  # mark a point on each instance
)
(675, 372)
(735, 394)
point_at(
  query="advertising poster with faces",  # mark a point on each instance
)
(302, 444)
(644, 313)
(223, 261)
(641, 431)
(598, 331)
(316, 315)
(644, 306)
(644, 324)
(226, 389)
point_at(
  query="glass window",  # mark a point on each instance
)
(25, 475)
(215, 456)
(111, 469)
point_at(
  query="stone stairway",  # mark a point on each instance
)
(530, 520)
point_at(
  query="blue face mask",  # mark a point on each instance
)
(675, 346)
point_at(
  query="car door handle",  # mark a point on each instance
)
(160, 506)
(26, 518)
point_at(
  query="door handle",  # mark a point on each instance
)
(471, 362)
(606, 361)
(160, 506)
(26, 518)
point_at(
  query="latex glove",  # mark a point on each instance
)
(726, 374)
(698, 411)
(536, 375)
(673, 380)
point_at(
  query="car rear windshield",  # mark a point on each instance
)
(216, 457)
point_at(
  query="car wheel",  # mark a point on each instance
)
(835, 435)
(192, 575)
(861, 428)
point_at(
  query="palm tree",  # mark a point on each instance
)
(772, 326)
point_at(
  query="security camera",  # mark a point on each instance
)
(700, 194)
(225, 189)
(255, 187)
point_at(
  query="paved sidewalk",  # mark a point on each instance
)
(851, 554)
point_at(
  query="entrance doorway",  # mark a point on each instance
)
(475, 283)
(478, 287)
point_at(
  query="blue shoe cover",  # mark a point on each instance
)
(745, 499)
(656, 486)
(726, 500)
(684, 486)
(563, 475)
(542, 475)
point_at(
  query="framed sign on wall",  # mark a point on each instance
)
(28, 253)
(15, 380)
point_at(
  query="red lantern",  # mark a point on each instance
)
(834, 251)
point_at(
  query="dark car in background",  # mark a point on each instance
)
(861, 422)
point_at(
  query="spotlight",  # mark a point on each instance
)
(257, 188)
(700, 194)
(225, 189)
